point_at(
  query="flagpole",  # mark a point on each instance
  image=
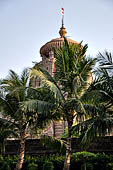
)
(62, 11)
(63, 20)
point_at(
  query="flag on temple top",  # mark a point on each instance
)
(62, 11)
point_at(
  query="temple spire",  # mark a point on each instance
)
(62, 31)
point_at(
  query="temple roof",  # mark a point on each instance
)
(58, 42)
(55, 43)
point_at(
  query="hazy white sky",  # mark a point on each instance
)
(26, 25)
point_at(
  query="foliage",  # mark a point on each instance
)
(71, 77)
(110, 166)
(71, 81)
(100, 94)
(99, 161)
(84, 155)
(89, 166)
(98, 125)
(5, 166)
(54, 143)
(17, 103)
(48, 165)
(23, 110)
(32, 166)
(58, 162)
(7, 129)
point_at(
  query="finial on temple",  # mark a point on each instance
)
(62, 31)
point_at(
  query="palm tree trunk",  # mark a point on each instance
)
(84, 165)
(68, 148)
(22, 151)
(2, 147)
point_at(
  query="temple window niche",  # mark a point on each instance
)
(51, 54)
(35, 82)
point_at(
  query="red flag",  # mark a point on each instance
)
(62, 11)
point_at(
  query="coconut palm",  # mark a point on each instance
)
(100, 122)
(104, 72)
(17, 102)
(72, 78)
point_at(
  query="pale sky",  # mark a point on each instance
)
(26, 25)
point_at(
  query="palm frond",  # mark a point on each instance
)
(12, 80)
(99, 125)
(53, 143)
(24, 78)
(7, 129)
(5, 107)
(105, 60)
(36, 106)
(48, 83)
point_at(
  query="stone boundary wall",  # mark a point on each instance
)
(34, 147)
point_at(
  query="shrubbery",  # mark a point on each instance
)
(48, 165)
(32, 166)
(55, 162)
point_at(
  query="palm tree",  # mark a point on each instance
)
(100, 122)
(17, 103)
(72, 78)
(104, 72)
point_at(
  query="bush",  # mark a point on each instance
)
(89, 166)
(48, 166)
(32, 166)
(75, 163)
(81, 159)
(109, 166)
(58, 162)
(100, 161)
(5, 166)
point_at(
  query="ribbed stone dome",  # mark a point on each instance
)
(58, 42)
